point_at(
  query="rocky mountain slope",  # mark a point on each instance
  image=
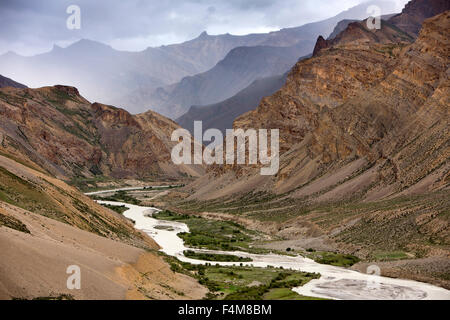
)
(69, 137)
(125, 78)
(6, 82)
(365, 150)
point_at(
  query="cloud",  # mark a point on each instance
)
(29, 27)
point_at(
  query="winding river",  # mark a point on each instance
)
(335, 282)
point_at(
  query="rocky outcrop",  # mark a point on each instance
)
(415, 12)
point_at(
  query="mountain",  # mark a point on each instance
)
(221, 115)
(69, 137)
(353, 99)
(125, 78)
(47, 226)
(364, 145)
(7, 82)
(238, 70)
(415, 12)
(359, 32)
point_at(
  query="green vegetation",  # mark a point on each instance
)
(245, 283)
(368, 232)
(334, 259)
(13, 99)
(212, 234)
(118, 209)
(285, 294)
(90, 184)
(121, 196)
(164, 187)
(56, 298)
(215, 257)
(167, 228)
(23, 194)
(13, 223)
(284, 281)
(36, 198)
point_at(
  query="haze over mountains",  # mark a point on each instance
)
(127, 79)
(356, 98)
(6, 82)
(222, 115)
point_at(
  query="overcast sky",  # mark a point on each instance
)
(33, 26)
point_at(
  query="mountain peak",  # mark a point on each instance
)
(203, 35)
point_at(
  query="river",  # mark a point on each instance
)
(335, 282)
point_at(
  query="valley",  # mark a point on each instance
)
(324, 281)
(356, 206)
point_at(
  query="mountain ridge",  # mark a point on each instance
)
(64, 133)
(120, 74)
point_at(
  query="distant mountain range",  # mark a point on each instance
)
(128, 79)
(7, 82)
(221, 115)
(411, 19)
(241, 67)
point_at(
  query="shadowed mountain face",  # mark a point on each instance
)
(238, 70)
(69, 137)
(6, 82)
(127, 79)
(221, 115)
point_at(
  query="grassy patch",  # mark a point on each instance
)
(121, 196)
(244, 283)
(55, 298)
(215, 257)
(211, 234)
(26, 195)
(118, 209)
(334, 259)
(13, 223)
(285, 294)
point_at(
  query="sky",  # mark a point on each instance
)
(29, 27)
